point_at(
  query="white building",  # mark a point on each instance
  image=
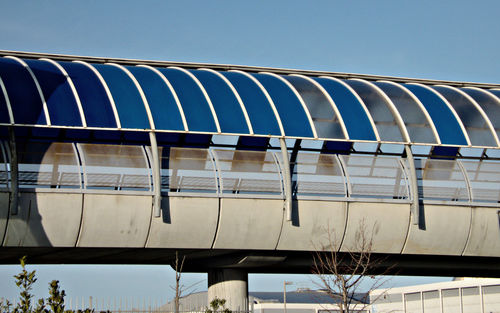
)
(478, 295)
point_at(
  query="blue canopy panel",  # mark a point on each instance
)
(446, 124)
(61, 102)
(356, 121)
(194, 104)
(378, 107)
(128, 101)
(416, 122)
(478, 130)
(325, 119)
(4, 111)
(260, 113)
(25, 100)
(227, 108)
(93, 98)
(489, 103)
(161, 100)
(293, 117)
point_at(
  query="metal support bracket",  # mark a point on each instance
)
(155, 167)
(287, 179)
(14, 173)
(415, 204)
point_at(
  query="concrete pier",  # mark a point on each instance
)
(231, 285)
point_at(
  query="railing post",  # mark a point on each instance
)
(287, 179)
(414, 208)
(155, 167)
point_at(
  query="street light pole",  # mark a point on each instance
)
(284, 293)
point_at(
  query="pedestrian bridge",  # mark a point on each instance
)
(125, 161)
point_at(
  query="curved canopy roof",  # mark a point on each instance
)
(95, 94)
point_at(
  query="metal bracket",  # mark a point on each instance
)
(287, 179)
(415, 205)
(155, 167)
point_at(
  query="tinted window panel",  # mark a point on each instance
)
(489, 104)
(474, 123)
(95, 102)
(27, 106)
(290, 110)
(385, 121)
(446, 124)
(258, 108)
(416, 122)
(166, 114)
(196, 109)
(129, 105)
(227, 107)
(324, 117)
(61, 103)
(4, 113)
(355, 119)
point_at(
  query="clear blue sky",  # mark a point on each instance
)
(451, 40)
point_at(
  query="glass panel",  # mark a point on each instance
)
(292, 114)
(440, 180)
(489, 104)
(496, 92)
(248, 172)
(164, 109)
(27, 106)
(431, 302)
(354, 116)
(4, 113)
(95, 103)
(413, 303)
(196, 109)
(324, 118)
(477, 129)
(318, 175)
(48, 165)
(57, 92)
(227, 107)
(187, 170)
(471, 300)
(117, 167)
(128, 101)
(416, 122)
(447, 126)
(484, 177)
(258, 108)
(451, 300)
(378, 107)
(491, 298)
(376, 177)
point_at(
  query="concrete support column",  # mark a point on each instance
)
(230, 285)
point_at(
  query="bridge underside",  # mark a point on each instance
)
(295, 262)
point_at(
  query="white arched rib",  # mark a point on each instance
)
(449, 106)
(306, 110)
(141, 93)
(268, 97)
(172, 90)
(7, 101)
(205, 94)
(392, 108)
(420, 105)
(106, 88)
(72, 87)
(375, 131)
(478, 107)
(35, 80)
(236, 94)
(329, 99)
